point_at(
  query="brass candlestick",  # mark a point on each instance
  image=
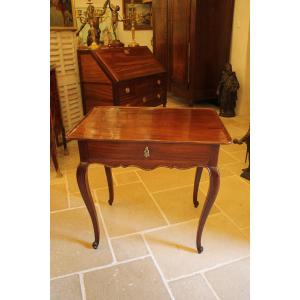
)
(133, 19)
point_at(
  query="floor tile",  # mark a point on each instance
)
(234, 147)
(174, 248)
(232, 281)
(129, 247)
(233, 198)
(246, 232)
(67, 288)
(223, 170)
(121, 170)
(239, 155)
(96, 175)
(133, 210)
(124, 178)
(225, 158)
(76, 199)
(163, 178)
(53, 176)
(237, 168)
(71, 238)
(191, 288)
(235, 132)
(178, 205)
(58, 196)
(134, 280)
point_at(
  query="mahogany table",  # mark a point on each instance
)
(149, 138)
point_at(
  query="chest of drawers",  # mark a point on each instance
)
(121, 76)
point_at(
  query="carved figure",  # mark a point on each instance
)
(245, 139)
(114, 18)
(92, 19)
(227, 92)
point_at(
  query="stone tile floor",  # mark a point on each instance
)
(147, 248)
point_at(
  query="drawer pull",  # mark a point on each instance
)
(158, 82)
(144, 99)
(158, 96)
(146, 152)
(127, 90)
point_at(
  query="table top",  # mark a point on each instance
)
(182, 125)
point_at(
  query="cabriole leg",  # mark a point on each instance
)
(110, 184)
(196, 185)
(82, 180)
(214, 185)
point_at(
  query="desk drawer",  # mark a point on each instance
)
(149, 155)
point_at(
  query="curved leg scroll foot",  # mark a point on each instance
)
(95, 244)
(82, 180)
(196, 185)
(210, 199)
(110, 185)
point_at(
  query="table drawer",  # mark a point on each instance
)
(148, 155)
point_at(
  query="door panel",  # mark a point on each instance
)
(180, 22)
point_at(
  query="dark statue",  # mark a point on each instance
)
(245, 139)
(227, 92)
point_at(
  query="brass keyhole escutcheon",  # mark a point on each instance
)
(127, 90)
(144, 99)
(158, 82)
(147, 152)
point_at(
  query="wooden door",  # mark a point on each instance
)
(179, 42)
(213, 23)
(160, 31)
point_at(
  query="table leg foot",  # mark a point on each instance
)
(196, 185)
(82, 180)
(110, 184)
(95, 244)
(214, 185)
(59, 173)
(200, 249)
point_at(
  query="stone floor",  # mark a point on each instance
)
(147, 248)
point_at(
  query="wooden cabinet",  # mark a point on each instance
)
(121, 76)
(193, 44)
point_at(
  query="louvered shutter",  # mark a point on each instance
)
(63, 55)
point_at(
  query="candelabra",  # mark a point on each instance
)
(133, 17)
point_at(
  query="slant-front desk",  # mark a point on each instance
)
(149, 138)
(121, 76)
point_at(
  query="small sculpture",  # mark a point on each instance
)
(245, 139)
(91, 17)
(114, 24)
(227, 92)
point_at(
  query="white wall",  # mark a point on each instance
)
(240, 53)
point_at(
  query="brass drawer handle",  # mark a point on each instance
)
(158, 82)
(144, 99)
(158, 96)
(147, 152)
(127, 90)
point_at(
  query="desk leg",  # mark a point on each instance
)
(82, 180)
(110, 184)
(196, 185)
(214, 185)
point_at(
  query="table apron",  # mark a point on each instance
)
(148, 155)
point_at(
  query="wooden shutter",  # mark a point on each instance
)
(63, 55)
